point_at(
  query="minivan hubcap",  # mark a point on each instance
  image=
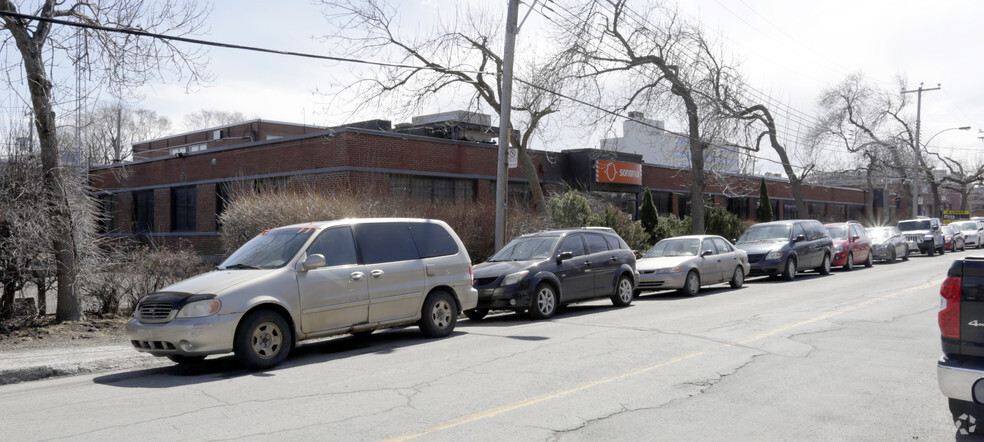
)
(267, 339)
(441, 315)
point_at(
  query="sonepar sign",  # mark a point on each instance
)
(950, 216)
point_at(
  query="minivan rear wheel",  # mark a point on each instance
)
(438, 315)
(824, 268)
(263, 340)
(623, 292)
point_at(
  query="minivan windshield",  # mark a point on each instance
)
(525, 249)
(774, 233)
(270, 250)
(837, 232)
(914, 225)
(674, 247)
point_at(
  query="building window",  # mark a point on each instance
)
(683, 204)
(222, 192)
(855, 212)
(789, 211)
(177, 150)
(817, 210)
(143, 211)
(270, 185)
(183, 209)
(663, 202)
(197, 147)
(433, 189)
(739, 207)
(107, 213)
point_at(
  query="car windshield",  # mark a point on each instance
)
(949, 230)
(270, 250)
(914, 225)
(966, 226)
(772, 233)
(525, 249)
(837, 232)
(674, 247)
(879, 233)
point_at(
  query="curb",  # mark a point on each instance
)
(24, 366)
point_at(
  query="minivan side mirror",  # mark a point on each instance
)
(564, 256)
(314, 261)
(799, 238)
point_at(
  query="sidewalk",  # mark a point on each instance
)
(29, 365)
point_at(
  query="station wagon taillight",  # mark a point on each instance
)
(949, 314)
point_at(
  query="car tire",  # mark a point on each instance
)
(476, 314)
(849, 265)
(691, 285)
(870, 261)
(263, 340)
(932, 251)
(186, 360)
(824, 268)
(942, 249)
(963, 246)
(979, 245)
(623, 292)
(737, 278)
(789, 273)
(438, 315)
(544, 302)
(637, 293)
(905, 257)
(892, 257)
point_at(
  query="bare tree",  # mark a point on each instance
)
(107, 57)
(461, 57)
(208, 118)
(664, 61)
(869, 123)
(108, 132)
(962, 179)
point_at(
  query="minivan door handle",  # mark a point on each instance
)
(357, 276)
(376, 273)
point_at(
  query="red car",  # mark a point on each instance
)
(954, 239)
(851, 245)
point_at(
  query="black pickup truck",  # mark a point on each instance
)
(961, 318)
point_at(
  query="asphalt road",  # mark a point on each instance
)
(850, 356)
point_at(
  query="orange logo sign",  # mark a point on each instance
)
(618, 172)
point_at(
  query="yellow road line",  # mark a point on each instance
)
(544, 397)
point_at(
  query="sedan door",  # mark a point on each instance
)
(336, 295)
(730, 258)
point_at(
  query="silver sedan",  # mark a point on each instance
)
(688, 262)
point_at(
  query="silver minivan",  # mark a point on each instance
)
(308, 281)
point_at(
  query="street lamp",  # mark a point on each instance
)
(915, 181)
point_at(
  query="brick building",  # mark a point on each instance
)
(176, 186)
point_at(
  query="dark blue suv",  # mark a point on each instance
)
(542, 271)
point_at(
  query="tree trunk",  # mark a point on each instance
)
(534, 179)
(69, 307)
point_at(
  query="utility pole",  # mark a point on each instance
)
(502, 168)
(915, 180)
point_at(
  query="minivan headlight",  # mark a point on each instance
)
(513, 278)
(200, 309)
(775, 254)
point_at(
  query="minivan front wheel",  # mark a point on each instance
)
(263, 340)
(438, 315)
(544, 302)
(790, 273)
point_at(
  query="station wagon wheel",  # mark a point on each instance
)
(738, 278)
(544, 302)
(438, 315)
(892, 257)
(476, 314)
(870, 261)
(906, 256)
(623, 292)
(849, 265)
(263, 340)
(824, 268)
(691, 286)
(790, 273)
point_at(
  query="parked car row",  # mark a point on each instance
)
(312, 280)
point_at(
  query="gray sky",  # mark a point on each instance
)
(790, 50)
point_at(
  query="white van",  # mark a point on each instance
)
(307, 281)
